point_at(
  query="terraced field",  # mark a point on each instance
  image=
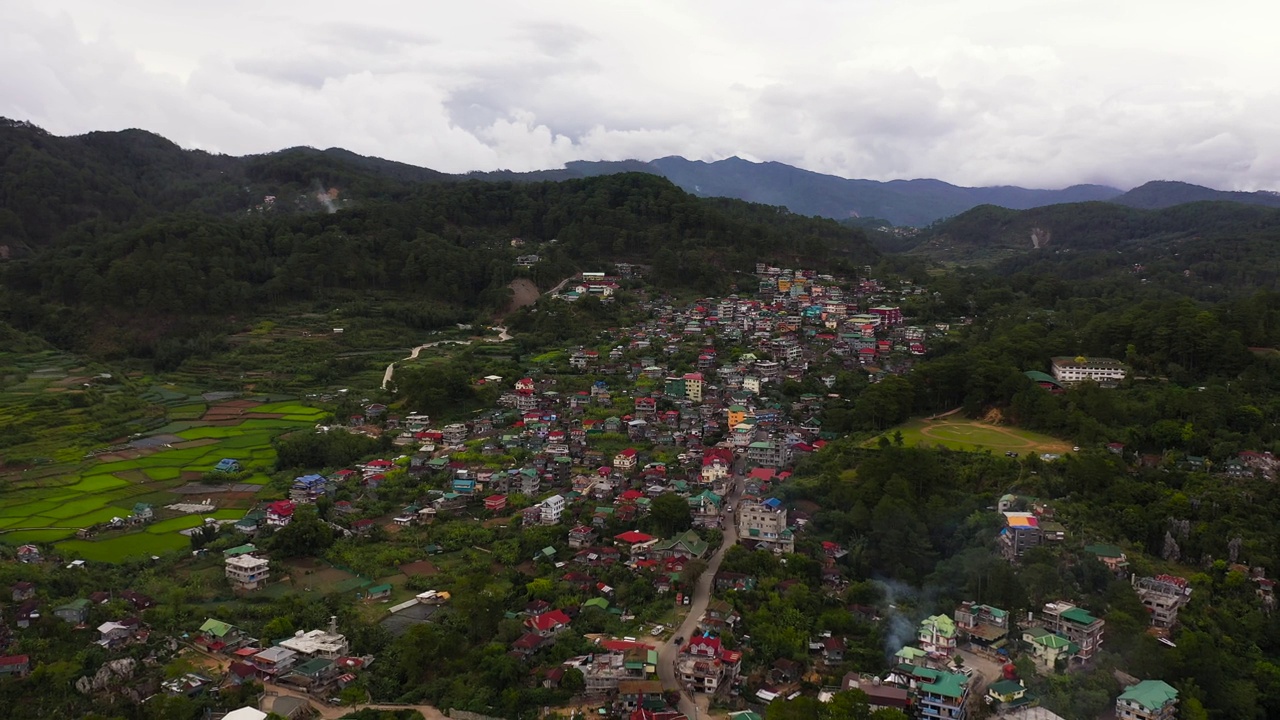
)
(50, 503)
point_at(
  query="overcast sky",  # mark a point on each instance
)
(1039, 93)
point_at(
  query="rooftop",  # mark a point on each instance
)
(1150, 694)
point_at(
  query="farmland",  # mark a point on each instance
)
(49, 502)
(972, 435)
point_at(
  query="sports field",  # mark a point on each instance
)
(51, 504)
(972, 435)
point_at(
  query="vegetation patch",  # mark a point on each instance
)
(973, 435)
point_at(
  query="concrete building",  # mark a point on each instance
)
(1075, 624)
(764, 522)
(947, 696)
(552, 509)
(246, 572)
(1148, 700)
(1020, 533)
(1163, 596)
(1073, 370)
(318, 644)
(937, 635)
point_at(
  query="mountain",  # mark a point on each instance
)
(1166, 193)
(901, 202)
(989, 233)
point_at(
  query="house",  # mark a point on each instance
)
(1075, 624)
(113, 634)
(551, 510)
(1111, 556)
(378, 592)
(247, 572)
(23, 590)
(1163, 596)
(28, 554)
(763, 523)
(317, 644)
(280, 513)
(1007, 692)
(274, 661)
(495, 503)
(984, 626)
(833, 650)
(687, 545)
(15, 666)
(142, 512)
(625, 461)
(139, 601)
(530, 643)
(879, 695)
(217, 635)
(228, 465)
(582, 536)
(725, 580)
(548, 624)
(1148, 700)
(1048, 650)
(75, 612)
(937, 635)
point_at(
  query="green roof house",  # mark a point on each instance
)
(938, 635)
(686, 545)
(1148, 700)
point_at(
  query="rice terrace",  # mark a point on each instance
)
(55, 500)
(958, 433)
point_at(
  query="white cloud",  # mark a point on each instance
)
(1042, 94)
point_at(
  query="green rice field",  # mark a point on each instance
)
(52, 504)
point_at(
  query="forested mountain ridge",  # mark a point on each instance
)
(439, 252)
(1165, 193)
(990, 233)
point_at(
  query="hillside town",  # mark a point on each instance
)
(645, 459)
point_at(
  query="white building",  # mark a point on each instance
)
(552, 508)
(247, 572)
(318, 644)
(1072, 370)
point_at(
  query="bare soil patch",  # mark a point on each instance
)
(421, 567)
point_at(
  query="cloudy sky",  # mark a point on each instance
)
(1040, 93)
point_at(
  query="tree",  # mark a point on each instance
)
(305, 535)
(669, 514)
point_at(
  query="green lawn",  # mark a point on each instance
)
(971, 435)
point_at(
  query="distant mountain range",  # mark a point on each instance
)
(140, 169)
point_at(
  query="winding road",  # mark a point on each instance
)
(503, 336)
(696, 706)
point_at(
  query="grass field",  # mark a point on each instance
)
(971, 435)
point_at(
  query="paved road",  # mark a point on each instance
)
(701, 597)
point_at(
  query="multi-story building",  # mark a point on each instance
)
(1163, 596)
(764, 522)
(1073, 370)
(1020, 533)
(937, 635)
(982, 625)
(552, 508)
(693, 386)
(1148, 700)
(767, 453)
(946, 696)
(246, 572)
(704, 666)
(1075, 624)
